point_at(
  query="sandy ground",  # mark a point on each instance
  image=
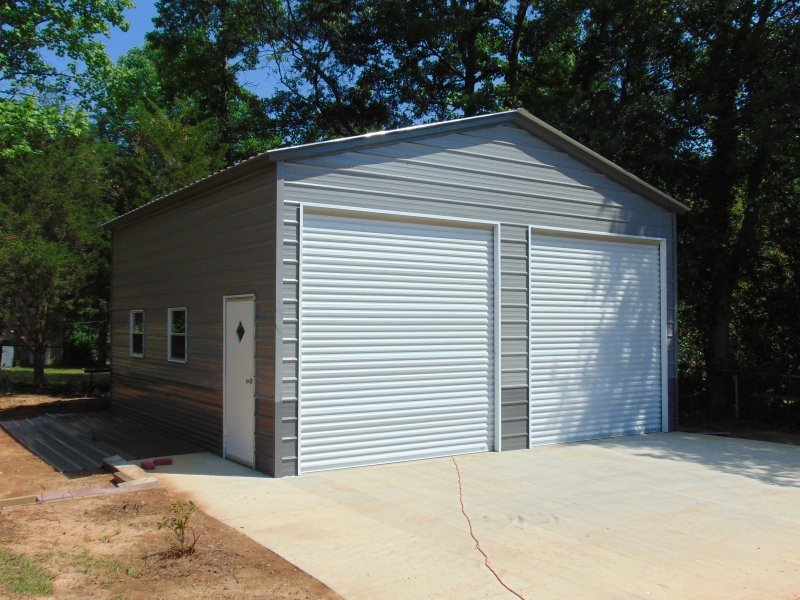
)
(111, 547)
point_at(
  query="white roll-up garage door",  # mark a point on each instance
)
(397, 337)
(595, 338)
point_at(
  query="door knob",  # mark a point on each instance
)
(249, 380)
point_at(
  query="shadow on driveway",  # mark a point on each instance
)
(771, 463)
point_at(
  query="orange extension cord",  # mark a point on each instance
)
(472, 534)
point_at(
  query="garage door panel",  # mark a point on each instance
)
(368, 456)
(391, 372)
(387, 433)
(338, 420)
(410, 391)
(595, 338)
(397, 331)
(577, 361)
(580, 402)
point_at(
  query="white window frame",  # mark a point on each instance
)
(136, 311)
(170, 312)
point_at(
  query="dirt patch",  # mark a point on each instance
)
(23, 406)
(111, 547)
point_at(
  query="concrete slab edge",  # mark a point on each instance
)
(87, 492)
(91, 492)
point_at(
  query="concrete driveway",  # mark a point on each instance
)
(656, 516)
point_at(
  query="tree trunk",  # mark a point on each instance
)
(38, 365)
(513, 51)
(102, 344)
(725, 280)
(718, 354)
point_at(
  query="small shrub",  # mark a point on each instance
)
(177, 521)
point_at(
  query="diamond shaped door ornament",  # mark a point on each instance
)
(240, 331)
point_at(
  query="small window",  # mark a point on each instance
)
(137, 333)
(177, 335)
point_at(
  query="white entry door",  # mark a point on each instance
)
(239, 409)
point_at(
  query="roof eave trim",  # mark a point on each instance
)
(519, 117)
(241, 170)
(389, 136)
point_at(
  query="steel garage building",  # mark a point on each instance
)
(474, 285)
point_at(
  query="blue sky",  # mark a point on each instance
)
(140, 19)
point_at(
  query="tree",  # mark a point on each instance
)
(739, 95)
(52, 248)
(351, 66)
(160, 153)
(198, 48)
(161, 145)
(66, 28)
(332, 67)
(26, 123)
(449, 56)
(132, 80)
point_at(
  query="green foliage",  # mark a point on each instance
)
(57, 381)
(160, 153)
(132, 80)
(26, 124)
(199, 47)
(67, 28)
(86, 343)
(177, 521)
(161, 144)
(19, 576)
(52, 250)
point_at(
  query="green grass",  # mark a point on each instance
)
(68, 379)
(19, 576)
(104, 569)
(51, 371)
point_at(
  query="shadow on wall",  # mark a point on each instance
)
(768, 462)
(629, 334)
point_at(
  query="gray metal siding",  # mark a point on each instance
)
(288, 334)
(497, 173)
(194, 253)
(514, 351)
